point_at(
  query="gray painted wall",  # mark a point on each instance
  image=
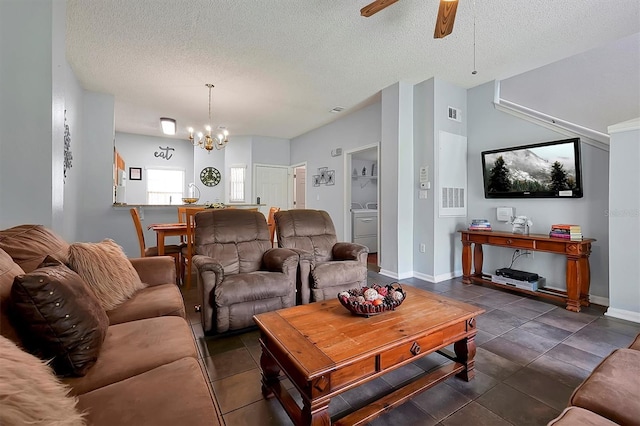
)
(31, 113)
(447, 250)
(396, 174)
(490, 129)
(424, 209)
(595, 89)
(358, 129)
(624, 223)
(73, 102)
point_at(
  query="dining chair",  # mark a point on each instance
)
(271, 223)
(182, 218)
(172, 250)
(182, 212)
(187, 251)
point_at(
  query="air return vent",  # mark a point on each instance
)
(455, 114)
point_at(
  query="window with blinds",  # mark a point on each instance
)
(164, 186)
(237, 184)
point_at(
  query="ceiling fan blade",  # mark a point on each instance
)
(375, 7)
(446, 16)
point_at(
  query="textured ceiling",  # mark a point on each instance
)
(279, 66)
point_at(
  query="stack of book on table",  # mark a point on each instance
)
(566, 231)
(480, 225)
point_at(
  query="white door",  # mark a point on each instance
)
(299, 187)
(271, 185)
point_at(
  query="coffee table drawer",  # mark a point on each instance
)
(420, 346)
(353, 372)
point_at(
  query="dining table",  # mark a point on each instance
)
(164, 230)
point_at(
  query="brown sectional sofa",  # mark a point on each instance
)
(611, 393)
(147, 371)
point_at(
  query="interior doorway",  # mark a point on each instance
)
(362, 194)
(300, 186)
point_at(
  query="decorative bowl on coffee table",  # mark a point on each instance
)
(374, 300)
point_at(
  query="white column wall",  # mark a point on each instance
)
(624, 221)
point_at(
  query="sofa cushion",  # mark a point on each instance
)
(106, 269)
(135, 347)
(572, 416)
(611, 390)
(30, 394)
(58, 317)
(155, 301)
(28, 245)
(8, 271)
(172, 394)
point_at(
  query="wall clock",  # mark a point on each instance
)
(210, 176)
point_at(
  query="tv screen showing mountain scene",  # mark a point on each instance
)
(542, 170)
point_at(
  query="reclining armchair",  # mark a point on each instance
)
(327, 266)
(239, 274)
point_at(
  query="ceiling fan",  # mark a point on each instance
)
(444, 22)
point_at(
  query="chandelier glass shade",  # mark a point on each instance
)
(206, 140)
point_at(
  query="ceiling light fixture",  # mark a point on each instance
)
(206, 141)
(168, 125)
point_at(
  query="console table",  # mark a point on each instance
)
(576, 252)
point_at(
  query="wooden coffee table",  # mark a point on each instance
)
(325, 350)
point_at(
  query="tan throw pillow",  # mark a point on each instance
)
(30, 394)
(28, 245)
(107, 271)
(58, 317)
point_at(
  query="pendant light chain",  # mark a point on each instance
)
(474, 72)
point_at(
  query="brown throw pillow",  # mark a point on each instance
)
(30, 394)
(106, 269)
(58, 317)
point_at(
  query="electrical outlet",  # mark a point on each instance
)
(423, 248)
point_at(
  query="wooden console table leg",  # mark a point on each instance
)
(585, 280)
(477, 259)
(466, 262)
(316, 415)
(465, 350)
(573, 283)
(270, 373)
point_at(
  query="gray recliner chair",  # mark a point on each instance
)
(239, 274)
(327, 266)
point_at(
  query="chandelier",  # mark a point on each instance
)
(206, 141)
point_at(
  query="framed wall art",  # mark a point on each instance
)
(135, 173)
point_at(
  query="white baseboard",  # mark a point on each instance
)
(448, 276)
(599, 300)
(623, 314)
(396, 275)
(388, 273)
(425, 277)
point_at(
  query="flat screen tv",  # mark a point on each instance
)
(541, 170)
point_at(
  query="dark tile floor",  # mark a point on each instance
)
(531, 354)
